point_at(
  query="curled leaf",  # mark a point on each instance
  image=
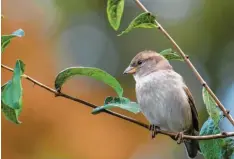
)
(211, 106)
(114, 12)
(144, 20)
(95, 73)
(12, 92)
(6, 39)
(121, 102)
(171, 55)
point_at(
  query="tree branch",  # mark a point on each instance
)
(172, 134)
(186, 59)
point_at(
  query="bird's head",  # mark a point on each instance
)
(147, 62)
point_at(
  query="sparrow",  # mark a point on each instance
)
(164, 98)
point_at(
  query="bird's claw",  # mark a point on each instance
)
(154, 130)
(179, 137)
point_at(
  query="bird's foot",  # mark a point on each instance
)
(179, 137)
(154, 130)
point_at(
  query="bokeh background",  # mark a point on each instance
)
(61, 34)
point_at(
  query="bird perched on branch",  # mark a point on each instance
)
(164, 98)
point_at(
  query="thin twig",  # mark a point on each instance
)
(172, 134)
(186, 59)
(60, 94)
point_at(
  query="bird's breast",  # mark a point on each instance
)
(163, 100)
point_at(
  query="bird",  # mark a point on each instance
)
(164, 98)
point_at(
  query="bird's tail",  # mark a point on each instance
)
(192, 147)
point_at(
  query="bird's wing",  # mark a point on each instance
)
(193, 108)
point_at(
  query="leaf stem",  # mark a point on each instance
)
(172, 134)
(186, 59)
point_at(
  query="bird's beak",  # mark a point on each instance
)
(130, 70)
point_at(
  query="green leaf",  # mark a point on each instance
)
(211, 106)
(9, 113)
(211, 148)
(95, 73)
(6, 39)
(114, 12)
(144, 20)
(12, 92)
(215, 148)
(171, 55)
(228, 148)
(121, 102)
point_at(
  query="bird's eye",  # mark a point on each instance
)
(139, 62)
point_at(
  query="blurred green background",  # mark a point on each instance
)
(61, 34)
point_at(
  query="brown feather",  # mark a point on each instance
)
(146, 55)
(192, 146)
(193, 109)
